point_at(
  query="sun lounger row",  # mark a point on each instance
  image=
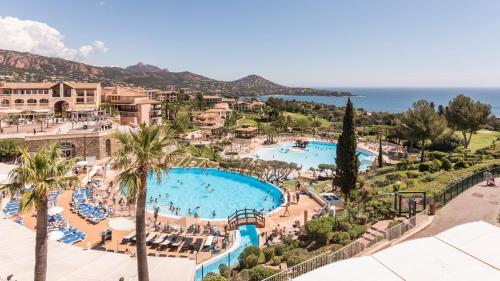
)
(71, 235)
(90, 213)
(11, 208)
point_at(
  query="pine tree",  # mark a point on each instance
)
(347, 159)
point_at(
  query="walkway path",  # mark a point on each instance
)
(479, 202)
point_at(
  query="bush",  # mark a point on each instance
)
(433, 155)
(294, 260)
(279, 249)
(413, 174)
(356, 231)
(447, 143)
(378, 210)
(343, 226)
(435, 165)
(335, 247)
(214, 277)
(243, 259)
(446, 164)
(394, 223)
(260, 272)
(276, 260)
(268, 253)
(341, 237)
(319, 230)
(251, 261)
(224, 270)
(462, 164)
(424, 167)
(385, 170)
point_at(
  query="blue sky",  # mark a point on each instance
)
(301, 43)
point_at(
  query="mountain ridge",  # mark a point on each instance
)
(24, 66)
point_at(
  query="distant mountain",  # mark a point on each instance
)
(145, 68)
(18, 66)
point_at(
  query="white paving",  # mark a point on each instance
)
(67, 262)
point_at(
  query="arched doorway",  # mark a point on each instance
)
(108, 147)
(68, 150)
(60, 107)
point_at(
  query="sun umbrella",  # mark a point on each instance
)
(55, 210)
(82, 163)
(122, 224)
(55, 235)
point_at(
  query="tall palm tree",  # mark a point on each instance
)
(144, 151)
(42, 173)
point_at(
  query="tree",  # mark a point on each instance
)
(346, 160)
(421, 122)
(44, 172)
(380, 152)
(200, 103)
(467, 116)
(142, 152)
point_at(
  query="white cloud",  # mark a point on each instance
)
(40, 38)
(101, 3)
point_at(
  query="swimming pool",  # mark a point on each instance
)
(315, 153)
(248, 236)
(203, 191)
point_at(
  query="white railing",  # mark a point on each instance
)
(349, 251)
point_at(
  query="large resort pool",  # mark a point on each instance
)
(210, 193)
(314, 154)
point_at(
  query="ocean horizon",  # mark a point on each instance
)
(398, 99)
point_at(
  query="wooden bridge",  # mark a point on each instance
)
(246, 216)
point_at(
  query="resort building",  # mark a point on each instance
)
(134, 105)
(211, 100)
(168, 95)
(245, 132)
(63, 99)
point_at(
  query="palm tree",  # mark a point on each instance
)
(142, 152)
(43, 172)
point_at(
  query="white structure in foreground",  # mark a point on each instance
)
(67, 262)
(466, 252)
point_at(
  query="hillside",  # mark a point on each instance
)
(18, 66)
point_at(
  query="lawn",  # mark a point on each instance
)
(481, 139)
(324, 123)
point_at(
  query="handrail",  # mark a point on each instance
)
(246, 214)
(359, 245)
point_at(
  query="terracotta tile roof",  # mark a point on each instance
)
(40, 85)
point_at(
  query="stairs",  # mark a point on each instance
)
(375, 233)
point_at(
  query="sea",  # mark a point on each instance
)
(396, 100)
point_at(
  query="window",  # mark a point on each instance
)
(67, 93)
(44, 101)
(32, 102)
(90, 99)
(19, 92)
(67, 149)
(5, 103)
(80, 93)
(90, 93)
(19, 101)
(80, 100)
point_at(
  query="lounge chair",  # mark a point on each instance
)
(176, 242)
(187, 244)
(151, 238)
(197, 244)
(159, 240)
(129, 237)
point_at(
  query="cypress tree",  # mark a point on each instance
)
(347, 159)
(380, 155)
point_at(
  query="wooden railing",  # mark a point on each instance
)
(246, 216)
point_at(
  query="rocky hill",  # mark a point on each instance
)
(18, 66)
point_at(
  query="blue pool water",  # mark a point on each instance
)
(315, 153)
(210, 190)
(249, 237)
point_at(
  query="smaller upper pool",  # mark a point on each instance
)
(210, 193)
(314, 154)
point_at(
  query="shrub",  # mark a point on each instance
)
(413, 174)
(260, 272)
(394, 223)
(341, 237)
(279, 249)
(385, 170)
(294, 260)
(343, 226)
(433, 155)
(214, 277)
(319, 229)
(336, 247)
(224, 270)
(249, 251)
(435, 165)
(447, 143)
(276, 260)
(424, 167)
(268, 253)
(251, 261)
(378, 210)
(446, 164)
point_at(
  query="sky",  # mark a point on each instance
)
(315, 43)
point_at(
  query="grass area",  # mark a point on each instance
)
(324, 123)
(481, 139)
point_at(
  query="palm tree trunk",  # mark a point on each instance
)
(41, 242)
(140, 226)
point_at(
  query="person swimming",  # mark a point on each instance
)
(213, 213)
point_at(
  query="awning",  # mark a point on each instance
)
(41, 110)
(11, 111)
